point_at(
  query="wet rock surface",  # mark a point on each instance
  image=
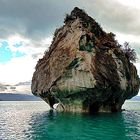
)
(85, 69)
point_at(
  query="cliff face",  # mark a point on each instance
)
(85, 69)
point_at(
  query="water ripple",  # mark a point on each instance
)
(34, 121)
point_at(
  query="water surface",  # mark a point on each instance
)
(34, 121)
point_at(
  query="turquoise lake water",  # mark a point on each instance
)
(34, 121)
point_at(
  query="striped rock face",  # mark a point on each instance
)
(85, 69)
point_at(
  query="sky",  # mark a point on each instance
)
(27, 27)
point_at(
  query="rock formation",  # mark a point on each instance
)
(85, 69)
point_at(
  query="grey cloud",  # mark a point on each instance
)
(23, 83)
(33, 19)
(115, 17)
(136, 47)
(2, 88)
(38, 19)
(35, 56)
(12, 87)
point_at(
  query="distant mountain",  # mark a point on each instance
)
(21, 87)
(23, 83)
(136, 98)
(18, 97)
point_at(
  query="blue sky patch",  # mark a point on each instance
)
(6, 54)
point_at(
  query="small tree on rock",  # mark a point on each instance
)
(129, 52)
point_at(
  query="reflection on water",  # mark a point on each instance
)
(15, 118)
(82, 127)
(33, 121)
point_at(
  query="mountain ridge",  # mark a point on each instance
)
(17, 97)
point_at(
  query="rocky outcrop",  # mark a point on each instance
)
(85, 69)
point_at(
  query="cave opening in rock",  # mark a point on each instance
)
(94, 107)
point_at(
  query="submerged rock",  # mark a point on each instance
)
(85, 69)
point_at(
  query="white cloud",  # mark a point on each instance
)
(138, 67)
(121, 37)
(130, 3)
(17, 70)
(26, 46)
(20, 69)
